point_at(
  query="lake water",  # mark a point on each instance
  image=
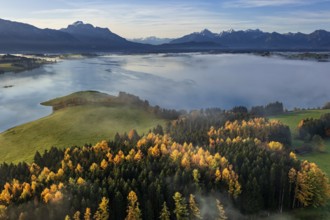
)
(181, 81)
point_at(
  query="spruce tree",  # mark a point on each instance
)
(165, 214)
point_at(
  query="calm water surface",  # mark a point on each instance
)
(181, 81)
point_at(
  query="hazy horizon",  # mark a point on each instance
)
(170, 19)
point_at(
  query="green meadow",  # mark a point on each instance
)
(292, 119)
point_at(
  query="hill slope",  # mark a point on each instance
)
(72, 125)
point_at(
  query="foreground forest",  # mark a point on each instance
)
(208, 164)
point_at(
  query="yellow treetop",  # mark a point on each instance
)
(104, 164)
(276, 146)
(293, 156)
(81, 181)
(79, 169)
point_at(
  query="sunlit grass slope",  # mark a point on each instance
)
(292, 119)
(75, 125)
(8, 67)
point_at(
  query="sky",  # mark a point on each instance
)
(173, 18)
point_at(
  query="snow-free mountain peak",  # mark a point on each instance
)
(206, 32)
(78, 26)
(77, 23)
(85, 32)
(230, 31)
(253, 30)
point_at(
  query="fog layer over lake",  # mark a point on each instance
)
(181, 81)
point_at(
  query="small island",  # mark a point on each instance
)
(319, 57)
(12, 63)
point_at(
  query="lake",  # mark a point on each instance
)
(180, 81)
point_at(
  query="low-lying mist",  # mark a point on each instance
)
(182, 81)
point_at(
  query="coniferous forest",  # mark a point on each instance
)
(208, 164)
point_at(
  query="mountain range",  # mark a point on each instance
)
(81, 37)
(77, 37)
(257, 39)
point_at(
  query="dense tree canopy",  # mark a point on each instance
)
(226, 155)
(308, 128)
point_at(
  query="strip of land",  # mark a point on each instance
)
(11, 63)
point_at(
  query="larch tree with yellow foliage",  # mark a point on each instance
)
(76, 215)
(3, 212)
(221, 211)
(102, 212)
(312, 185)
(133, 209)
(88, 214)
(195, 213)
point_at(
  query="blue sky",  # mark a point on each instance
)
(173, 18)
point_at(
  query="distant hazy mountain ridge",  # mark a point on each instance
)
(256, 39)
(16, 36)
(78, 37)
(81, 37)
(89, 33)
(152, 40)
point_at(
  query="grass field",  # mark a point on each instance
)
(74, 126)
(292, 119)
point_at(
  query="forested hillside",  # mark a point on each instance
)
(232, 161)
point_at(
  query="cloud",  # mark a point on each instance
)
(298, 21)
(60, 11)
(165, 20)
(132, 19)
(268, 3)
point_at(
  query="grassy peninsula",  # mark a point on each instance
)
(80, 118)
